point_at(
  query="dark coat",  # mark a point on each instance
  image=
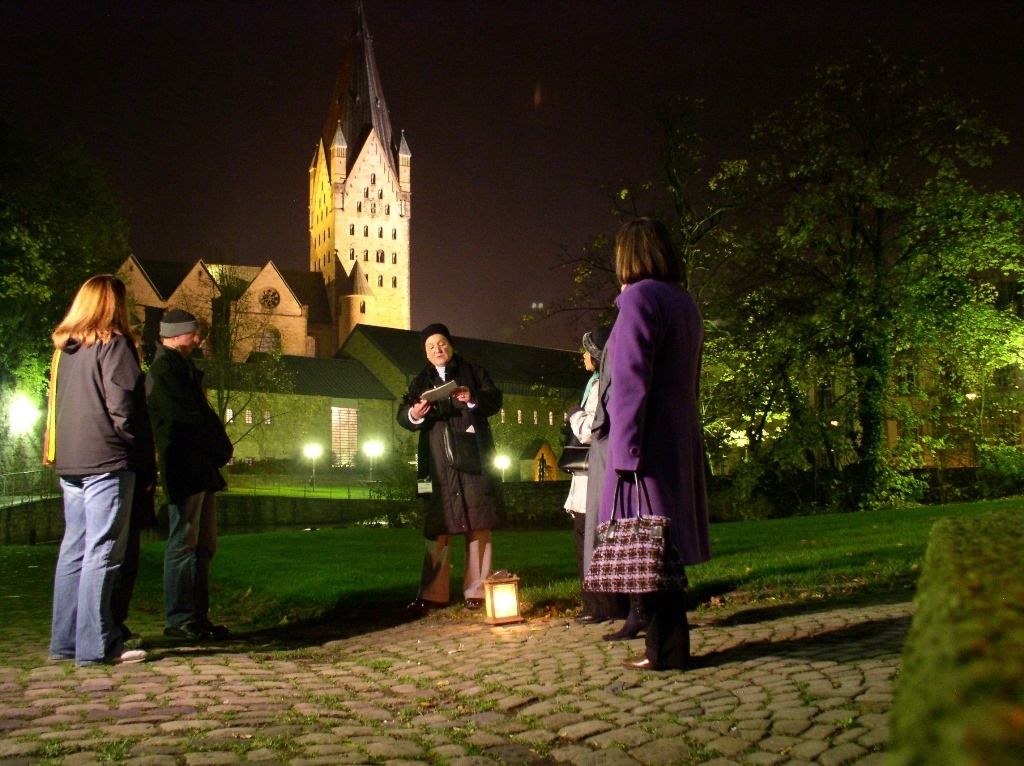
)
(101, 422)
(190, 439)
(654, 356)
(461, 500)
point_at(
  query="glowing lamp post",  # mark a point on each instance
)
(23, 414)
(373, 449)
(501, 598)
(313, 451)
(501, 462)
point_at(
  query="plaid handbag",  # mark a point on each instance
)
(633, 555)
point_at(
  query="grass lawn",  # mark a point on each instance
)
(270, 581)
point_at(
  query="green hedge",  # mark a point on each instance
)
(960, 698)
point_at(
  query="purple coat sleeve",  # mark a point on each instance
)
(637, 330)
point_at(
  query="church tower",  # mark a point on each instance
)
(359, 198)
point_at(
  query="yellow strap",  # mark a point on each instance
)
(50, 435)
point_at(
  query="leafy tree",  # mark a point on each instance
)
(60, 223)
(863, 238)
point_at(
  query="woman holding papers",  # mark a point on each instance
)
(449, 403)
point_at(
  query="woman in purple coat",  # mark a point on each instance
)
(654, 355)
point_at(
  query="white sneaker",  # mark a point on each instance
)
(131, 656)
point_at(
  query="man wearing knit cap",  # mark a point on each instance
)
(455, 459)
(191, 446)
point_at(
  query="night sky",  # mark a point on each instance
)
(517, 114)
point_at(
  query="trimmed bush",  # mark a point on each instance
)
(960, 698)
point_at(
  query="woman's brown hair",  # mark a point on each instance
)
(99, 310)
(643, 250)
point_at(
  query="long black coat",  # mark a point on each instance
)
(461, 501)
(191, 442)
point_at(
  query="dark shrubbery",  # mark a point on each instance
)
(961, 695)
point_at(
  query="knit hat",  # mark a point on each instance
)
(594, 341)
(177, 322)
(435, 329)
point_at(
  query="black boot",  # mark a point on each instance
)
(636, 622)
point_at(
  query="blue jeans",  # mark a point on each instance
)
(191, 543)
(96, 513)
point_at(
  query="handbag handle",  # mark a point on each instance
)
(641, 488)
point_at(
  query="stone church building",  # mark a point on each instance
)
(339, 334)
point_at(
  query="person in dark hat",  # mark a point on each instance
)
(597, 607)
(455, 460)
(192, 445)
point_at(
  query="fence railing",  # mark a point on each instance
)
(27, 486)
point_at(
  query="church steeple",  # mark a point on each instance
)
(357, 104)
(360, 192)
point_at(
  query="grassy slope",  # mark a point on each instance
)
(264, 579)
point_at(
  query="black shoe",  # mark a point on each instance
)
(642, 663)
(215, 632)
(627, 632)
(421, 607)
(189, 632)
(591, 619)
(474, 603)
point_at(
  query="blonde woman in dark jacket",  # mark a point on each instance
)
(100, 444)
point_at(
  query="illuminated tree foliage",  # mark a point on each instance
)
(865, 243)
(59, 225)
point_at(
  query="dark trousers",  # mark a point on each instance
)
(668, 632)
(129, 573)
(614, 605)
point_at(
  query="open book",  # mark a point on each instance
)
(441, 392)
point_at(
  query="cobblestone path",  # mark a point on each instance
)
(770, 687)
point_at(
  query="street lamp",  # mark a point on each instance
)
(23, 414)
(313, 451)
(501, 462)
(373, 449)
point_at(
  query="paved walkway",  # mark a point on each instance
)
(772, 687)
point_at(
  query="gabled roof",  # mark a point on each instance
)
(165, 276)
(514, 368)
(336, 378)
(357, 104)
(309, 288)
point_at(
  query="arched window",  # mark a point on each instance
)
(359, 207)
(387, 210)
(394, 258)
(394, 234)
(366, 231)
(351, 253)
(380, 194)
(380, 231)
(270, 340)
(366, 193)
(394, 281)
(362, 307)
(352, 229)
(380, 280)
(366, 255)
(380, 256)
(373, 178)
(373, 209)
